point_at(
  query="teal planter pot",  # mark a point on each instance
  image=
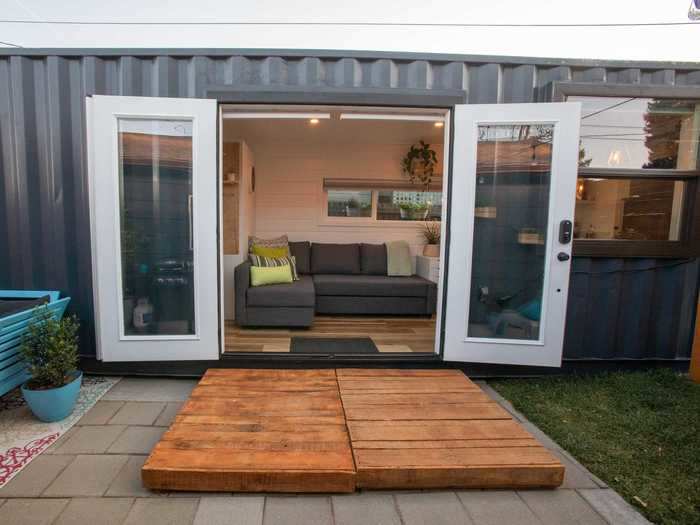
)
(53, 404)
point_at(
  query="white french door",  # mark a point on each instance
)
(152, 164)
(511, 228)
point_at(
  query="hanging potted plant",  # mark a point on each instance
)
(50, 349)
(431, 234)
(419, 164)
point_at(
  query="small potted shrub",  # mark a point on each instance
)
(431, 234)
(50, 349)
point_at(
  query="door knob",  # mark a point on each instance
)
(563, 256)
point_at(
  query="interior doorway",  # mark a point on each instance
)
(335, 178)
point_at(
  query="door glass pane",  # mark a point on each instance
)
(155, 176)
(510, 230)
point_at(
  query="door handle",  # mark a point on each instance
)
(563, 256)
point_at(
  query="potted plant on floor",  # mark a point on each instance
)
(431, 234)
(50, 349)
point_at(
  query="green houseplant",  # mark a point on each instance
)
(50, 349)
(419, 164)
(431, 234)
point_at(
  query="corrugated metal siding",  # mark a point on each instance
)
(630, 308)
(44, 216)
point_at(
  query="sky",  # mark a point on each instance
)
(289, 24)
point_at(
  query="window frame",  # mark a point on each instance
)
(688, 244)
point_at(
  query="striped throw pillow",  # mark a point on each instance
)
(267, 262)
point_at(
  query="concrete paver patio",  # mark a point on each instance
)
(92, 475)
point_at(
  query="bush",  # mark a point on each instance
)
(50, 348)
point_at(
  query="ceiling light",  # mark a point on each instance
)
(439, 124)
(313, 121)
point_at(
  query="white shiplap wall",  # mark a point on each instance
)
(289, 194)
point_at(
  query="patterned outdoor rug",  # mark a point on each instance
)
(23, 437)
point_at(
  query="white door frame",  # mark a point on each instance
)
(547, 351)
(103, 113)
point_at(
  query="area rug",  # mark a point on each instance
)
(23, 437)
(333, 345)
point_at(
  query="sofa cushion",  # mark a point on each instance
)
(335, 258)
(373, 259)
(371, 285)
(297, 293)
(302, 252)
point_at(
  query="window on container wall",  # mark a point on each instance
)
(638, 175)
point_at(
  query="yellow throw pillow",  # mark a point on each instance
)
(267, 251)
(261, 275)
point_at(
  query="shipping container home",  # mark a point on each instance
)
(565, 193)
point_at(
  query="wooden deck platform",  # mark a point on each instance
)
(338, 430)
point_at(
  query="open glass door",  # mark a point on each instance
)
(512, 205)
(154, 227)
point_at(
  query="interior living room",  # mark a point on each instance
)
(331, 224)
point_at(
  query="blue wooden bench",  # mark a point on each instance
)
(13, 370)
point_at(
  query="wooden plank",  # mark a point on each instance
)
(453, 443)
(359, 399)
(465, 477)
(401, 373)
(454, 457)
(434, 430)
(445, 412)
(695, 352)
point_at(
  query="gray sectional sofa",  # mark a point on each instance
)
(333, 279)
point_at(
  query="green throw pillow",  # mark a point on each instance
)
(258, 260)
(260, 275)
(268, 251)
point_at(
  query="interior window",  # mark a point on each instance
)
(639, 133)
(629, 209)
(343, 203)
(409, 205)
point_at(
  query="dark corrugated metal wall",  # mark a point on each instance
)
(44, 216)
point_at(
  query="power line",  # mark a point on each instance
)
(9, 44)
(608, 108)
(312, 23)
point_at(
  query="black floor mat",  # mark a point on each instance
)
(333, 345)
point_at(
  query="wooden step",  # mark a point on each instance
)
(338, 430)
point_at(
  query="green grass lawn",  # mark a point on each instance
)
(638, 431)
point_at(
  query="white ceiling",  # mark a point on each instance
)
(332, 131)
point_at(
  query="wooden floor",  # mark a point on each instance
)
(390, 334)
(338, 430)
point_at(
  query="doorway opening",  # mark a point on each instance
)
(345, 191)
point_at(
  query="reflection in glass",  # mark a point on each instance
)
(343, 203)
(510, 231)
(155, 178)
(409, 205)
(631, 132)
(630, 209)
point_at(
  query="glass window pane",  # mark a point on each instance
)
(155, 172)
(631, 132)
(630, 209)
(409, 205)
(510, 231)
(342, 203)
